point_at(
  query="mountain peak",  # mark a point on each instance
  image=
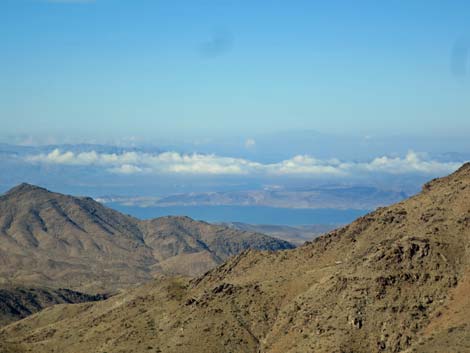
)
(461, 176)
(464, 169)
(24, 188)
(56, 239)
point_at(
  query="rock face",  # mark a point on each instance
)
(395, 280)
(54, 240)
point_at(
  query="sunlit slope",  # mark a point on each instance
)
(55, 240)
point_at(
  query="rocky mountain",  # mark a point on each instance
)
(55, 240)
(395, 280)
(184, 246)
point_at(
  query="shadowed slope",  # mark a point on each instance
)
(19, 302)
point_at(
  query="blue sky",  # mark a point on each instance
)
(197, 69)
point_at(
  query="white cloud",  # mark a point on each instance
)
(138, 162)
(210, 164)
(412, 163)
(126, 169)
(306, 165)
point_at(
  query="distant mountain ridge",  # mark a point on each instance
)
(50, 239)
(332, 197)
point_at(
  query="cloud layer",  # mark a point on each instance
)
(211, 164)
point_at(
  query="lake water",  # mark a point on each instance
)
(246, 214)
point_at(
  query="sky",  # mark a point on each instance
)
(156, 70)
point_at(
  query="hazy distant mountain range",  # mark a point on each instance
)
(336, 197)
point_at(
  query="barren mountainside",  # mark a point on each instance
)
(395, 280)
(183, 246)
(55, 240)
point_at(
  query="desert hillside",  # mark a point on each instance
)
(54, 240)
(395, 280)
